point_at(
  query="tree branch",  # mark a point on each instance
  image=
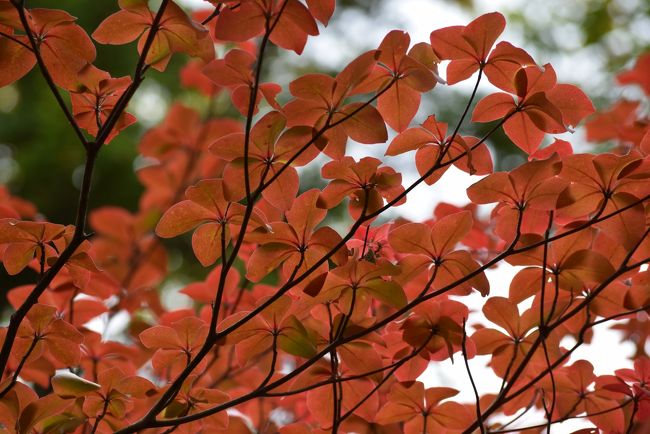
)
(479, 417)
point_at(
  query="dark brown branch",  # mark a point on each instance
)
(171, 392)
(285, 288)
(334, 370)
(463, 116)
(542, 324)
(16, 40)
(547, 234)
(479, 416)
(632, 415)
(288, 377)
(503, 397)
(138, 78)
(216, 336)
(46, 74)
(363, 218)
(560, 420)
(549, 410)
(274, 360)
(388, 376)
(101, 416)
(253, 94)
(215, 13)
(510, 251)
(621, 315)
(78, 237)
(23, 360)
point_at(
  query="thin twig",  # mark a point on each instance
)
(560, 420)
(16, 40)
(46, 74)
(23, 360)
(479, 417)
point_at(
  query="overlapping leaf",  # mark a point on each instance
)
(176, 32)
(206, 207)
(432, 248)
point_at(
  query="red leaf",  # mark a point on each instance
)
(240, 24)
(365, 126)
(493, 107)
(95, 99)
(293, 27)
(398, 105)
(177, 33)
(123, 26)
(504, 313)
(180, 218)
(561, 147)
(467, 46)
(322, 10)
(16, 60)
(206, 205)
(639, 74)
(65, 47)
(523, 132)
(572, 102)
(504, 62)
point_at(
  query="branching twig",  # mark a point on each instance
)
(92, 150)
(33, 43)
(560, 420)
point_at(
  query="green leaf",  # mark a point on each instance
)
(69, 385)
(387, 292)
(35, 412)
(295, 339)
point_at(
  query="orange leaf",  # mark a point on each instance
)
(16, 61)
(523, 132)
(366, 124)
(398, 105)
(177, 33)
(322, 10)
(493, 107)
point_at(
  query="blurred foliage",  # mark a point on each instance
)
(615, 31)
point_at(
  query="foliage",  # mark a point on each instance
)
(331, 330)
